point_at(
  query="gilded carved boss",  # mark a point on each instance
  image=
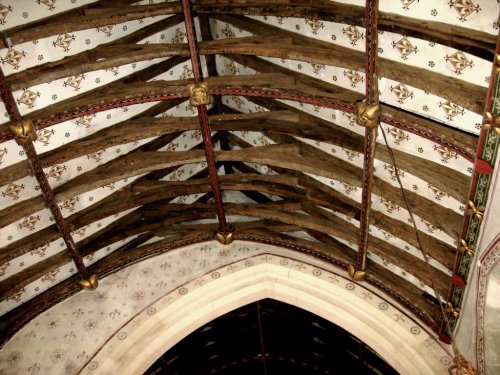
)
(23, 132)
(367, 115)
(199, 94)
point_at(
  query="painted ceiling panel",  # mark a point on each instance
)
(132, 173)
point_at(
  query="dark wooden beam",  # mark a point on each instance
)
(276, 42)
(25, 134)
(475, 42)
(74, 21)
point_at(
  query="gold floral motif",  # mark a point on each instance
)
(4, 10)
(438, 193)
(353, 33)
(13, 58)
(402, 93)
(398, 135)
(394, 172)
(350, 153)
(13, 191)
(96, 156)
(317, 67)
(464, 8)
(389, 206)
(354, 77)
(459, 62)
(69, 204)
(64, 41)
(186, 73)
(80, 231)
(28, 98)
(407, 3)
(85, 120)
(29, 222)
(50, 276)
(49, 3)
(40, 251)
(404, 47)
(315, 24)
(106, 29)
(431, 228)
(44, 136)
(16, 297)
(56, 172)
(115, 71)
(445, 153)
(74, 81)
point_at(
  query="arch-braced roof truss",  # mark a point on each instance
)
(131, 168)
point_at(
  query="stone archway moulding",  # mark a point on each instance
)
(124, 327)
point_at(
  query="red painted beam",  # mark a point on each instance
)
(371, 98)
(203, 117)
(282, 94)
(40, 176)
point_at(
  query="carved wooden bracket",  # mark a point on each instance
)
(24, 132)
(492, 123)
(478, 212)
(91, 283)
(198, 94)
(367, 115)
(465, 248)
(225, 238)
(450, 309)
(462, 366)
(356, 274)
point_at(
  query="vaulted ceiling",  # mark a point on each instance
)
(124, 166)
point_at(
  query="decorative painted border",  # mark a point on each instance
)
(489, 142)
(489, 260)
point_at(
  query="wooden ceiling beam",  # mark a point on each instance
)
(306, 83)
(330, 166)
(75, 21)
(446, 179)
(292, 46)
(385, 250)
(475, 42)
(370, 141)
(409, 295)
(438, 250)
